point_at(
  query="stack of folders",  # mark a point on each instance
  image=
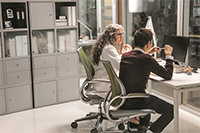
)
(69, 12)
(178, 68)
(62, 21)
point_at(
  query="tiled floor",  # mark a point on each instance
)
(58, 118)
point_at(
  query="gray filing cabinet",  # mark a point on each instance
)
(53, 76)
(55, 61)
(15, 69)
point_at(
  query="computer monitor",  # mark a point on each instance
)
(180, 45)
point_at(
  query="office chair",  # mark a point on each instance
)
(88, 94)
(115, 99)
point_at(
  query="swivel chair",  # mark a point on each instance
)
(88, 94)
(115, 99)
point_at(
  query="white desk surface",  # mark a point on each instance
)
(180, 79)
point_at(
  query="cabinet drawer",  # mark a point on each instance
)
(45, 73)
(2, 102)
(67, 59)
(18, 98)
(67, 70)
(42, 19)
(41, 62)
(68, 89)
(18, 77)
(17, 65)
(1, 80)
(45, 93)
(1, 67)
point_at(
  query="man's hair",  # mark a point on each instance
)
(142, 37)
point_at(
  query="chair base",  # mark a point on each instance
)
(91, 116)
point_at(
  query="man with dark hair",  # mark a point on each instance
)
(135, 68)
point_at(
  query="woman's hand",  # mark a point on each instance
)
(154, 49)
(126, 48)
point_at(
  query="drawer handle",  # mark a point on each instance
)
(17, 64)
(45, 73)
(18, 77)
(54, 92)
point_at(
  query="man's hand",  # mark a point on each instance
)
(154, 49)
(168, 50)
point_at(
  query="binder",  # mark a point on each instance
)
(73, 15)
(50, 42)
(61, 41)
(11, 44)
(69, 15)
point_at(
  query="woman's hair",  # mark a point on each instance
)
(107, 37)
(142, 37)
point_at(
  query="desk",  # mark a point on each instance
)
(180, 83)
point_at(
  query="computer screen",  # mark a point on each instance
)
(180, 45)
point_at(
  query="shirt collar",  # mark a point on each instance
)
(139, 49)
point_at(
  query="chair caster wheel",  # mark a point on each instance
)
(121, 126)
(74, 125)
(94, 130)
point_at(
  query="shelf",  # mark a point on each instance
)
(15, 30)
(66, 27)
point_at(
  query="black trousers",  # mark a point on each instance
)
(161, 107)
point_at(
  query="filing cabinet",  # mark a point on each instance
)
(38, 59)
(15, 68)
(54, 43)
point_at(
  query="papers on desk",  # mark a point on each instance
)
(179, 79)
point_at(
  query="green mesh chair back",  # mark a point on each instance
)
(117, 87)
(89, 69)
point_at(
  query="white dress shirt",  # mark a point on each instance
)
(109, 53)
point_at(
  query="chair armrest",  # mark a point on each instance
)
(135, 95)
(99, 80)
(131, 95)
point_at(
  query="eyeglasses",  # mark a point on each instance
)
(119, 34)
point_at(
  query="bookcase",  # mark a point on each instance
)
(54, 58)
(38, 59)
(15, 68)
